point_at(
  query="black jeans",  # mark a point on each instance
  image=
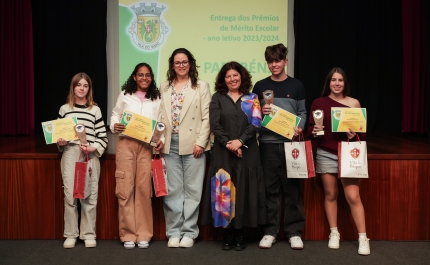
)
(276, 183)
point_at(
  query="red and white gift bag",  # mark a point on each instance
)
(352, 159)
(299, 159)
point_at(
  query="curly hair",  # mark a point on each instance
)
(326, 89)
(192, 73)
(130, 86)
(245, 78)
(71, 97)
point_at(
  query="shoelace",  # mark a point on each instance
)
(334, 235)
(364, 242)
(334, 239)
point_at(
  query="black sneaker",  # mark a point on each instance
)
(239, 243)
(228, 243)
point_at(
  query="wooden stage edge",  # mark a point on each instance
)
(395, 196)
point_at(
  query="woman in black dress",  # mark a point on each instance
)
(235, 187)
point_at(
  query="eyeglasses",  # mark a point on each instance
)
(184, 63)
(144, 75)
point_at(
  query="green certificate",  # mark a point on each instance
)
(281, 122)
(61, 128)
(137, 126)
(344, 118)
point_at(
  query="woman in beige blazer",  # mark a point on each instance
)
(185, 112)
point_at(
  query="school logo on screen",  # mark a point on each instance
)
(148, 29)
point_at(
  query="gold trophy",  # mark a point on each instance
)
(318, 118)
(159, 129)
(269, 96)
(80, 131)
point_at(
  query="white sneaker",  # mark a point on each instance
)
(267, 241)
(334, 239)
(143, 244)
(69, 243)
(90, 243)
(129, 244)
(173, 242)
(186, 242)
(296, 242)
(363, 246)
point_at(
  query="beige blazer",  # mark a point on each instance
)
(194, 125)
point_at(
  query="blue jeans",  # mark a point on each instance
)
(185, 175)
(276, 183)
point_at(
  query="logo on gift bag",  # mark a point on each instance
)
(355, 153)
(295, 153)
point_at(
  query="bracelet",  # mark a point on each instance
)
(243, 144)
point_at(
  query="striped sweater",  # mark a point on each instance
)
(93, 122)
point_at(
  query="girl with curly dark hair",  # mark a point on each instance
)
(133, 159)
(130, 86)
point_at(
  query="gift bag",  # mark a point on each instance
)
(352, 159)
(299, 159)
(159, 176)
(83, 174)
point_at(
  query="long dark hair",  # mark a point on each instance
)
(326, 89)
(245, 78)
(192, 73)
(130, 86)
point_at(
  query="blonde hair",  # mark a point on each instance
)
(71, 97)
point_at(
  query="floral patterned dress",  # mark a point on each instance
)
(234, 189)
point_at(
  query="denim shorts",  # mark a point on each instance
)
(326, 162)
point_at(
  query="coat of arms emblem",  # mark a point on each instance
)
(148, 29)
(295, 153)
(128, 117)
(49, 127)
(355, 153)
(337, 114)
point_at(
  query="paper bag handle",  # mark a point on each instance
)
(292, 140)
(358, 138)
(161, 156)
(86, 154)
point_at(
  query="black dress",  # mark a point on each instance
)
(228, 122)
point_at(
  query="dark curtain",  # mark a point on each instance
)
(364, 37)
(69, 37)
(427, 41)
(414, 97)
(16, 68)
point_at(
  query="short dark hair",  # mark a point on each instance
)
(276, 52)
(245, 78)
(326, 88)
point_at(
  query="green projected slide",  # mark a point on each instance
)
(215, 32)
